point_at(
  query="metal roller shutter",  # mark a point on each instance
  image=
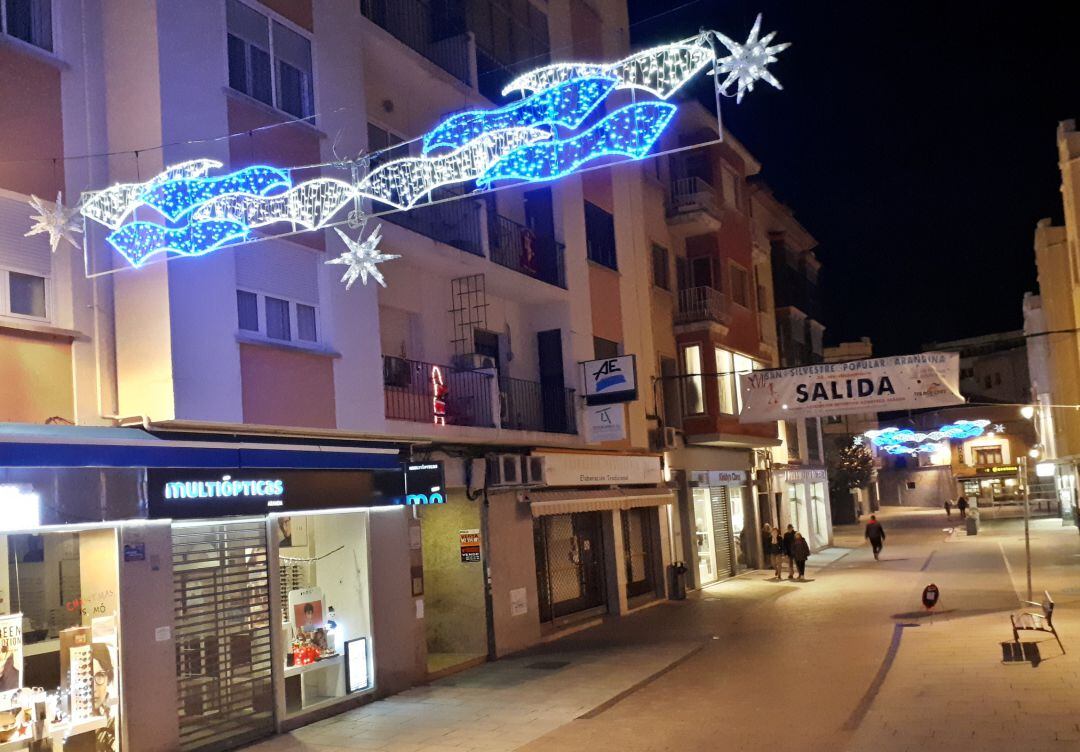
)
(221, 588)
(721, 519)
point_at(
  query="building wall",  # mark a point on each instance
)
(932, 486)
(455, 620)
(33, 128)
(513, 565)
(36, 373)
(397, 620)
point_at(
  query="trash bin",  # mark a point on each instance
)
(973, 523)
(677, 580)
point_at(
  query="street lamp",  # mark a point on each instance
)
(1027, 411)
(1033, 453)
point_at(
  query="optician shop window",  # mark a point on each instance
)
(325, 610)
(59, 639)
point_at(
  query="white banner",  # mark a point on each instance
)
(604, 423)
(904, 382)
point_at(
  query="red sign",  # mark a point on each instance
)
(930, 595)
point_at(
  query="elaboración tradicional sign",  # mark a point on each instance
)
(904, 382)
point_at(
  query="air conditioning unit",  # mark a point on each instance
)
(533, 468)
(503, 470)
(662, 439)
(671, 437)
(473, 362)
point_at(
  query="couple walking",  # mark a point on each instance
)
(789, 547)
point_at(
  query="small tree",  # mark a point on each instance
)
(850, 467)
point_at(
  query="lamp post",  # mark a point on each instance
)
(1028, 411)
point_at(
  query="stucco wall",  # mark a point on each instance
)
(513, 565)
(397, 633)
(35, 372)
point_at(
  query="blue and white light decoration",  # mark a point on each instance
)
(554, 130)
(906, 441)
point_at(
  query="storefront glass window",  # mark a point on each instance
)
(693, 398)
(821, 531)
(703, 525)
(324, 604)
(738, 525)
(797, 505)
(59, 640)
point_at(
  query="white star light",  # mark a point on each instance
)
(747, 62)
(999, 428)
(58, 221)
(362, 257)
(857, 441)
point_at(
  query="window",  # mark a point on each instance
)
(791, 435)
(277, 318)
(600, 236)
(813, 445)
(604, 348)
(693, 396)
(268, 61)
(30, 21)
(725, 378)
(740, 286)
(988, 456)
(26, 295)
(305, 322)
(661, 267)
(742, 364)
(247, 308)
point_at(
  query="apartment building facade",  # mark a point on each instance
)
(254, 372)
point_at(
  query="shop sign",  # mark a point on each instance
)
(470, 545)
(356, 665)
(727, 477)
(134, 552)
(194, 493)
(1003, 469)
(604, 423)
(808, 475)
(610, 380)
(906, 382)
(596, 469)
(424, 484)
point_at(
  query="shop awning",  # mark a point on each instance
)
(567, 502)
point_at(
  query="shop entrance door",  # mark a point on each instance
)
(721, 515)
(639, 527)
(221, 588)
(706, 551)
(569, 564)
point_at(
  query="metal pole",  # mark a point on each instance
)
(1027, 521)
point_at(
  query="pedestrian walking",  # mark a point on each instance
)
(962, 506)
(800, 551)
(766, 541)
(948, 507)
(776, 551)
(875, 533)
(789, 540)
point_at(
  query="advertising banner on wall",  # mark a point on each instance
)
(604, 423)
(904, 382)
(609, 380)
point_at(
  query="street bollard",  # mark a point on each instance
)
(677, 579)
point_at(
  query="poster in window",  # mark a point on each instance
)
(291, 532)
(11, 652)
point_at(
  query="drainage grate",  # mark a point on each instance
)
(548, 665)
(1020, 652)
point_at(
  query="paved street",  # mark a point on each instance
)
(846, 660)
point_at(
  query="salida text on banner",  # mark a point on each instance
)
(904, 382)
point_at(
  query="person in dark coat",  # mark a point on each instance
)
(962, 505)
(789, 539)
(766, 544)
(875, 533)
(948, 508)
(800, 551)
(776, 550)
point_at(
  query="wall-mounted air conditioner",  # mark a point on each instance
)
(503, 470)
(533, 468)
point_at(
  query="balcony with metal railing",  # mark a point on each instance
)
(456, 223)
(693, 200)
(702, 304)
(435, 30)
(517, 247)
(430, 393)
(531, 406)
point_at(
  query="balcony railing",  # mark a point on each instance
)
(455, 223)
(517, 247)
(438, 36)
(702, 304)
(692, 194)
(529, 406)
(410, 387)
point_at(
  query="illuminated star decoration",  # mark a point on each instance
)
(58, 221)
(361, 257)
(748, 62)
(999, 428)
(857, 441)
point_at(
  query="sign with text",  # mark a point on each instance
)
(597, 469)
(470, 545)
(905, 382)
(610, 380)
(604, 423)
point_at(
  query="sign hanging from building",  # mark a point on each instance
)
(610, 380)
(604, 423)
(905, 382)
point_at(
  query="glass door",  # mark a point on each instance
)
(703, 525)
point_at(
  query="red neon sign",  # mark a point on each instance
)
(439, 390)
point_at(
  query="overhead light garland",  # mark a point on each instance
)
(907, 441)
(193, 212)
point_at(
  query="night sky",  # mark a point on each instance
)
(914, 140)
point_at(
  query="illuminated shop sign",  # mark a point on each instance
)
(610, 380)
(424, 484)
(224, 488)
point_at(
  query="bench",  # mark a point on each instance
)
(1034, 621)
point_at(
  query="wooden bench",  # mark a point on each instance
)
(1034, 621)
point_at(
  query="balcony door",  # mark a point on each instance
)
(552, 381)
(701, 273)
(540, 219)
